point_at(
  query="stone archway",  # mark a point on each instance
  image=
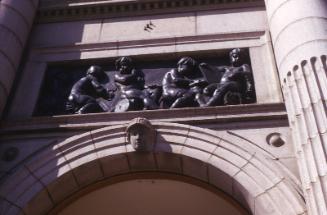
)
(240, 169)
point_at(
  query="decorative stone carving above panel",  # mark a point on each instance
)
(55, 11)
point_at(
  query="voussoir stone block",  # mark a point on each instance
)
(141, 161)
(224, 165)
(200, 144)
(263, 205)
(196, 154)
(259, 177)
(88, 173)
(169, 162)
(195, 168)
(62, 187)
(39, 205)
(20, 188)
(220, 179)
(114, 165)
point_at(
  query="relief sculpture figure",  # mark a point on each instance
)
(235, 85)
(85, 92)
(133, 93)
(179, 87)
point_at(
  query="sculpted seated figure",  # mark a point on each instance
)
(133, 93)
(235, 86)
(84, 93)
(179, 85)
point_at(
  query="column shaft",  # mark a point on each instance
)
(16, 20)
(299, 34)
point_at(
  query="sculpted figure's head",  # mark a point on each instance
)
(186, 65)
(96, 71)
(141, 134)
(124, 65)
(237, 57)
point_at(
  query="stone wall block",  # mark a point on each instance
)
(65, 33)
(210, 22)
(165, 26)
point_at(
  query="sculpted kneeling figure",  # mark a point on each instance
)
(236, 83)
(180, 86)
(85, 92)
(131, 85)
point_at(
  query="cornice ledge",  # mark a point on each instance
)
(224, 115)
(85, 10)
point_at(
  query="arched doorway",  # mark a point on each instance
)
(150, 193)
(239, 169)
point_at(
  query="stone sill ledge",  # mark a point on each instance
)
(192, 116)
(83, 10)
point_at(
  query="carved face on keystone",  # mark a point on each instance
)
(137, 137)
(140, 134)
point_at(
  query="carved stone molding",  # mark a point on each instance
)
(80, 10)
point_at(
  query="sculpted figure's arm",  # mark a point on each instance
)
(125, 78)
(248, 78)
(101, 91)
(179, 81)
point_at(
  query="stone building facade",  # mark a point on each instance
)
(267, 157)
